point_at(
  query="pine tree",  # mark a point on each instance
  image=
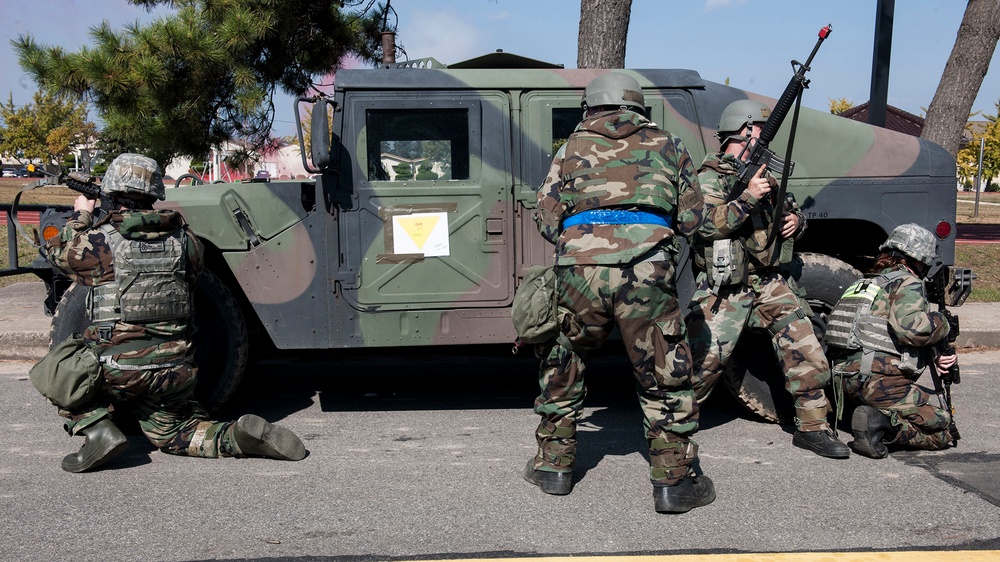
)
(207, 73)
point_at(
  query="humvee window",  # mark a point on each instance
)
(417, 144)
(564, 121)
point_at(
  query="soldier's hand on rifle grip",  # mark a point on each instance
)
(83, 204)
(945, 362)
(790, 224)
(759, 186)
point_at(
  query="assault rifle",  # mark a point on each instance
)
(948, 286)
(760, 154)
(80, 182)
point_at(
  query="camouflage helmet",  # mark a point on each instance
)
(738, 114)
(134, 173)
(913, 241)
(614, 89)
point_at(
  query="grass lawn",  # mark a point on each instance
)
(984, 259)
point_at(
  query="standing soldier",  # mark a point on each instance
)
(141, 265)
(616, 194)
(881, 337)
(740, 285)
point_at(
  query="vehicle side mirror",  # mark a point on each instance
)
(320, 134)
(319, 131)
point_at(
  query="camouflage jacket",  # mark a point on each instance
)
(619, 159)
(911, 324)
(82, 252)
(717, 176)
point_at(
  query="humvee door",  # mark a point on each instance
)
(431, 224)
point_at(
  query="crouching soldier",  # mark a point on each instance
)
(141, 265)
(881, 338)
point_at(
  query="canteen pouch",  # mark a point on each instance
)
(534, 308)
(69, 375)
(726, 263)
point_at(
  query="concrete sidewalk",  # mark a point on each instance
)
(24, 327)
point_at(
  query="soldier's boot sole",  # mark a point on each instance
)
(256, 436)
(823, 443)
(555, 483)
(868, 427)
(103, 441)
(690, 493)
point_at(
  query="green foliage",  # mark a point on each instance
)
(404, 171)
(205, 74)
(46, 129)
(426, 171)
(967, 158)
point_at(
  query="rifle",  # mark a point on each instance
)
(81, 182)
(760, 154)
(942, 292)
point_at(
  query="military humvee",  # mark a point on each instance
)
(417, 225)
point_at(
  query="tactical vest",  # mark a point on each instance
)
(852, 326)
(636, 181)
(742, 251)
(149, 284)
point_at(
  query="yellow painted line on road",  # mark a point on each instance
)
(895, 556)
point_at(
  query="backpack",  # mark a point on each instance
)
(534, 308)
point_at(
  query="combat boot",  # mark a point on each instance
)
(555, 483)
(692, 492)
(258, 437)
(103, 441)
(824, 443)
(871, 429)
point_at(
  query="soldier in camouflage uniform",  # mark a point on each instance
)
(141, 265)
(739, 285)
(616, 194)
(881, 337)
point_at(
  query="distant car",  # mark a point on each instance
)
(9, 174)
(263, 174)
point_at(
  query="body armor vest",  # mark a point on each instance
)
(613, 182)
(852, 326)
(149, 284)
(746, 242)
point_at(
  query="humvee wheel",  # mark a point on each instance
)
(220, 339)
(195, 180)
(754, 375)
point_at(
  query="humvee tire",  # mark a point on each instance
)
(754, 376)
(221, 346)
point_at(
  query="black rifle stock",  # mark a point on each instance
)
(760, 154)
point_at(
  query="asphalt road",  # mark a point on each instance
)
(418, 456)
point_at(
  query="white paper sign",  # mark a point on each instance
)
(421, 233)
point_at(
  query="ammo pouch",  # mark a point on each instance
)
(69, 375)
(725, 263)
(534, 308)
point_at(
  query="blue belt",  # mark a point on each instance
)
(616, 216)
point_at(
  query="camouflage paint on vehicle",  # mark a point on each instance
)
(316, 259)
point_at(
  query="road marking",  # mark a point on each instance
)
(895, 556)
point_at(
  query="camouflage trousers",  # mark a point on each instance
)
(769, 302)
(920, 424)
(162, 400)
(642, 302)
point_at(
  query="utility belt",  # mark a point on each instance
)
(617, 216)
(106, 354)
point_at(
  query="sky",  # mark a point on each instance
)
(748, 42)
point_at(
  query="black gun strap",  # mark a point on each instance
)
(779, 206)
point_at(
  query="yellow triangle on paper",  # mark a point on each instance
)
(418, 228)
